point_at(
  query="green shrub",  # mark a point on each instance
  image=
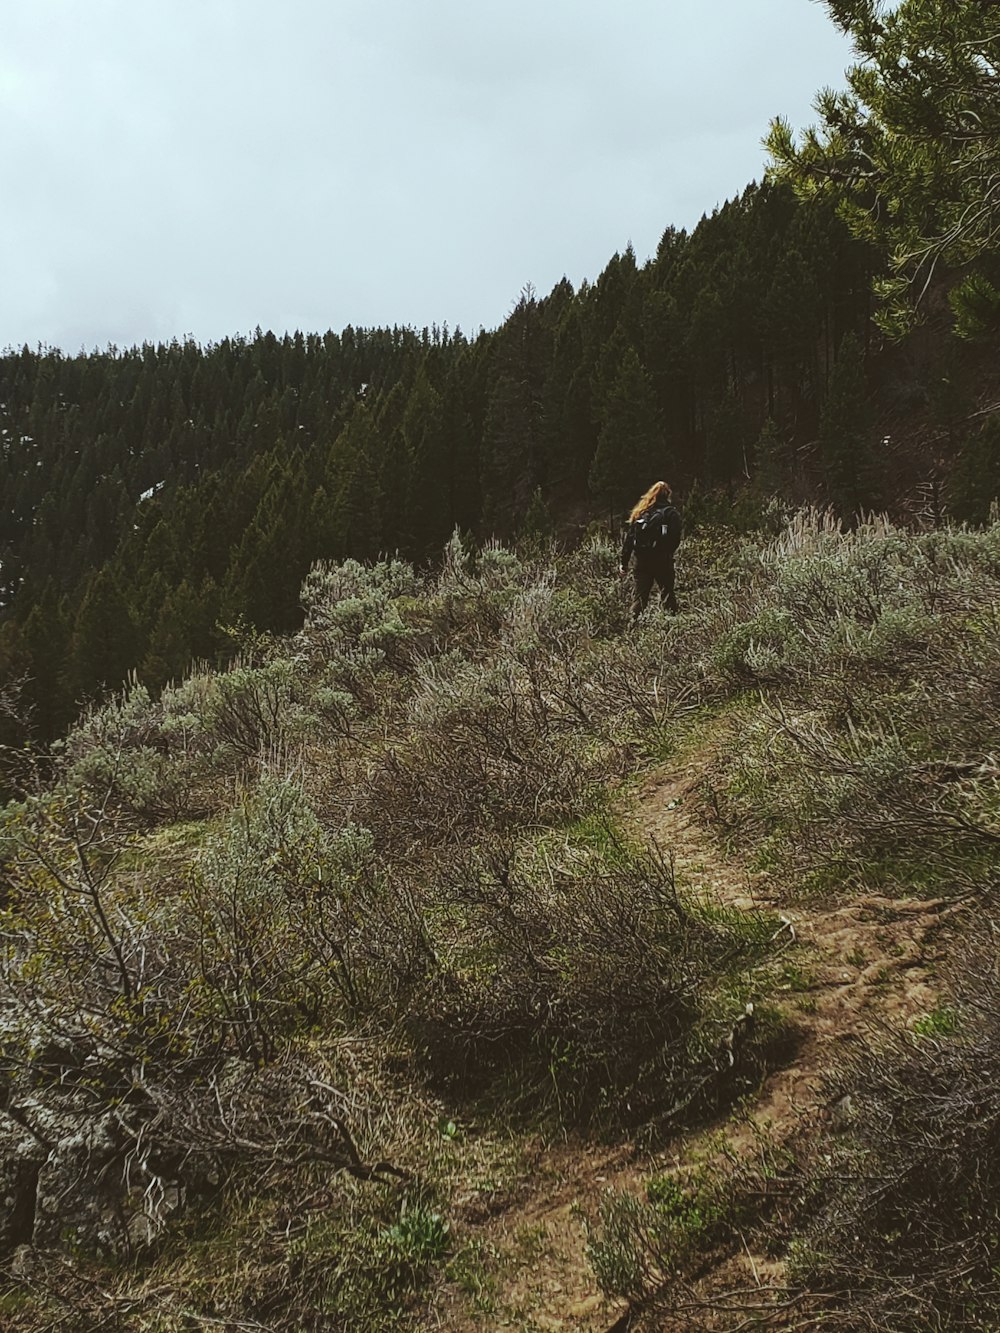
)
(585, 984)
(899, 1220)
(640, 1246)
(127, 751)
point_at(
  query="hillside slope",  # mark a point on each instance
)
(472, 958)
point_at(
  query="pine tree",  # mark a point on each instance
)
(727, 440)
(537, 524)
(911, 151)
(464, 442)
(629, 455)
(104, 641)
(508, 446)
(513, 430)
(772, 463)
(427, 518)
(357, 523)
(845, 433)
(272, 558)
(171, 643)
(569, 438)
(974, 485)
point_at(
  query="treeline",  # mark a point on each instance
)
(155, 494)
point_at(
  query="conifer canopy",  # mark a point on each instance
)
(912, 150)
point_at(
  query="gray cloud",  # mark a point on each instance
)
(207, 166)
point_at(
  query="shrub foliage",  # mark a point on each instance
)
(262, 934)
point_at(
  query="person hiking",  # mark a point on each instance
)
(653, 534)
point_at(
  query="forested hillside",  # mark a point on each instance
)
(158, 493)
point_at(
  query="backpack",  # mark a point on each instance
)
(659, 530)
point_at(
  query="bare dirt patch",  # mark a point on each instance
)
(536, 1275)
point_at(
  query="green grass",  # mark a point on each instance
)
(599, 830)
(943, 1021)
(473, 1269)
(795, 976)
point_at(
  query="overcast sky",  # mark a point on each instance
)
(174, 167)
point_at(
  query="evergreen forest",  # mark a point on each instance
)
(162, 496)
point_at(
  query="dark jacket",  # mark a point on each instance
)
(660, 528)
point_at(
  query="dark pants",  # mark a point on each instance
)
(650, 569)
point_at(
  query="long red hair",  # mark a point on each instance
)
(658, 492)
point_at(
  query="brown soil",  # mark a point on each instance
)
(851, 968)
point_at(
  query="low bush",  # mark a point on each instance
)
(584, 982)
(639, 1245)
(879, 682)
(902, 1207)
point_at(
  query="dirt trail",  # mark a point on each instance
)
(543, 1280)
(853, 967)
(849, 969)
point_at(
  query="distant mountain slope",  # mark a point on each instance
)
(158, 495)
